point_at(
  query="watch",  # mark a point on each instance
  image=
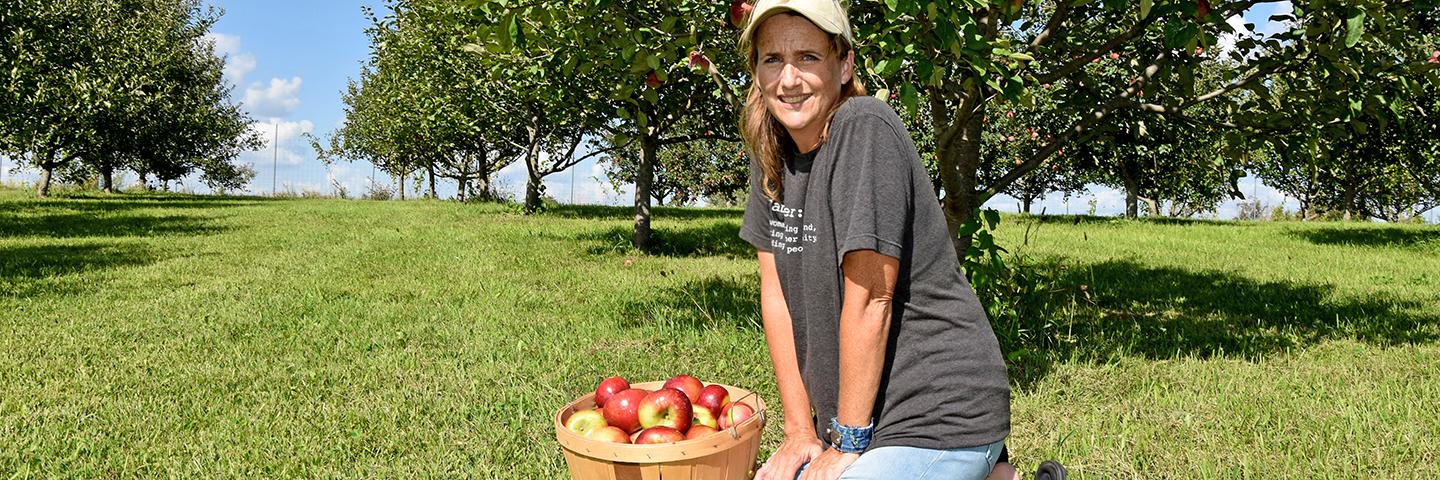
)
(847, 439)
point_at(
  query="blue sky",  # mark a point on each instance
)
(289, 61)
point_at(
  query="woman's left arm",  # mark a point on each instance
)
(864, 332)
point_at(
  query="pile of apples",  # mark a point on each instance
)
(683, 409)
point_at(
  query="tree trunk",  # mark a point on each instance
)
(1132, 190)
(1348, 196)
(533, 187)
(107, 178)
(533, 178)
(644, 179)
(403, 178)
(1152, 205)
(1025, 202)
(430, 173)
(958, 151)
(482, 178)
(462, 179)
(1132, 204)
(42, 187)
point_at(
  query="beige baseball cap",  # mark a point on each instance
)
(829, 15)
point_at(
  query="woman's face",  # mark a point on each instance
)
(799, 74)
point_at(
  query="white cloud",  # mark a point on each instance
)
(238, 63)
(1226, 42)
(1271, 28)
(293, 148)
(276, 100)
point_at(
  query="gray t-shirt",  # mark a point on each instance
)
(944, 385)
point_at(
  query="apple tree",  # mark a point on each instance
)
(960, 59)
(627, 65)
(97, 85)
(421, 104)
(1367, 149)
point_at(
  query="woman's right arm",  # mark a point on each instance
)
(801, 443)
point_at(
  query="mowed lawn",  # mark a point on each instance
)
(201, 337)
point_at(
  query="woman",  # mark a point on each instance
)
(886, 364)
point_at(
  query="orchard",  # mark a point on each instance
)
(1133, 90)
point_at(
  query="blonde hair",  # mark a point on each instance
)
(765, 137)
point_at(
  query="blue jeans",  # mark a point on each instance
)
(893, 463)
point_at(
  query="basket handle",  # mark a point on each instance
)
(759, 412)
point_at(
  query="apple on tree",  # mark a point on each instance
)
(699, 60)
(623, 409)
(739, 12)
(666, 407)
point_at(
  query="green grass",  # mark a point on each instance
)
(182, 336)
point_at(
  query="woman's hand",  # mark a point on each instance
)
(829, 465)
(794, 452)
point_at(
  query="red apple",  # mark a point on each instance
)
(703, 416)
(609, 434)
(653, 80)
(1435, 57)
(666, 407)
(713, 397)
(585, 421)
(698, 59)
(699, 431)
(1114, 55)
(661, 434)
(608, 387)
(1202, 9)
(689, 385)
(735, 413)
(739, 12)
(623, 409)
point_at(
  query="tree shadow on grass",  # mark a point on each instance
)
(97, 202)
(33, 270)
(721, 238)
(725, 303)
(112, 216)
(1094, 219)
(73, 225)
(601, 212)
(1126, 309)
(1379, 236)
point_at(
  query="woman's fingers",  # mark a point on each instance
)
(781, 466)
(787, 460)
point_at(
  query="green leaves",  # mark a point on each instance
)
(1354, 26)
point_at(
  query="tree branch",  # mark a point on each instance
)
(1038, 159)
(1052, 27)
(1076, 64)
(691, 138)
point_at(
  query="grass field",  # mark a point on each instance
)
(180, 336)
